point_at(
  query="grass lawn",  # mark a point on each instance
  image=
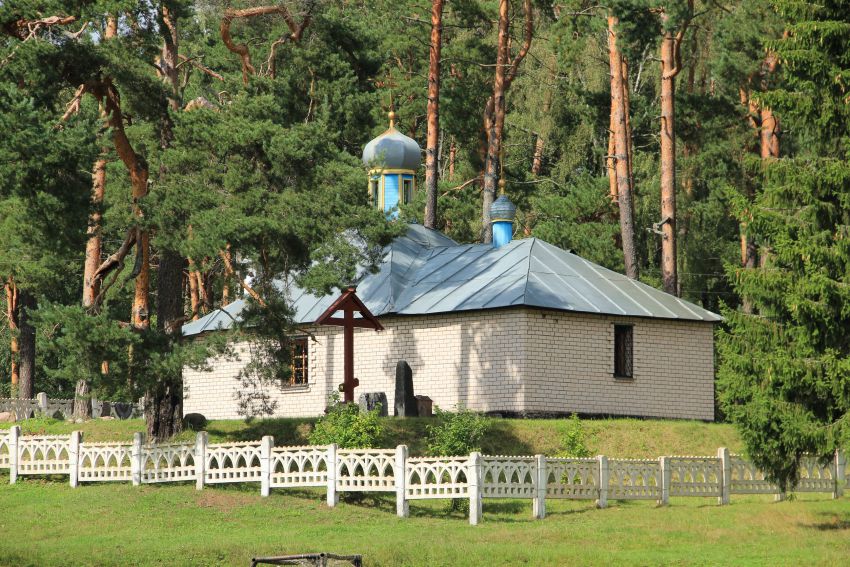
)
(48, 523)
(624, 438)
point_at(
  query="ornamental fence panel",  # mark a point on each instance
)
(815, 477)
(44, 455)
(436, 477)
(747, 479)
(509, 477)
(365, 470)
(696, 476)
(168, 462)
(634, 479)
(576, 479)
(105, 462)
(57, 408)
(293, 467)
(60, 408)
(4, 450)
(232, 462)
(21, 409)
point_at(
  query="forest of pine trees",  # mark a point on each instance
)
(160, 159)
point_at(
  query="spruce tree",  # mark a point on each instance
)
(783, 376)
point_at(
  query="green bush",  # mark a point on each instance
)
(573, 441)
(457, 433)
(348, 427)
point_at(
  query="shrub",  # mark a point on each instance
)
(348, 427)
(573, 440)
(458, 433)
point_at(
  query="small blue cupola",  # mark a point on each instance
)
(393, 159)
(502, 215)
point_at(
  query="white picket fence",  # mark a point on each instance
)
(476, 477)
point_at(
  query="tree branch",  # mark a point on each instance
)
(228, 270)
(296, 31)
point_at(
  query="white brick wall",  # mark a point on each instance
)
(506, 360)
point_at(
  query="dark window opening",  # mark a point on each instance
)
(299, 364)
(373, 192)
(407, 191)
(623, 350)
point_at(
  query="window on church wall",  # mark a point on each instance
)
(373, 191)
(623, 351)
(299, 363)
(407, 190)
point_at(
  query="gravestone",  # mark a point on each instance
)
(372, 400)
(194, 421)
(405, 401)
(122, 410)
(425, 406)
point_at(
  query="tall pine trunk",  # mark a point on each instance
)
(621, 155)
(11, 290)
(164, 398)
(433, 114)
(495, 122)
(91, 284)
(669, 272)
(26, 383)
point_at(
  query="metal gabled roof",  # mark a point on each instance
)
(425, 272)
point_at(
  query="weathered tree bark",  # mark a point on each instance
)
(769, 135)
(225, 286)
(194, 295)
(164, 399)
(433, 114)
(669, 273)
(671, 65)
(621, 155)
(452, 158)
(494, 113)
(91, 284)
(26, 304)
(12, 317)
(610, 161)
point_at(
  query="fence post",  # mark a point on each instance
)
(200, 459)
(41, 398)
(266, 465)
(725, 475)
(74, 457)
(540, 483)
(602, 502)
(664, 468)
(137, 457)
(840, 472)
(401, 505)
(333, 497)
(473, 477)
(14, 452)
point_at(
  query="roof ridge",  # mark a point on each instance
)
(528, 268)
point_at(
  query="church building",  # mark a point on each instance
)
(516, 327)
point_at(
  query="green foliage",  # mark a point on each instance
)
(347, 426)
(783, 376)
(573, 440)
(456, 433)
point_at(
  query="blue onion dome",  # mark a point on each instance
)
(393, 150)
(502, 209)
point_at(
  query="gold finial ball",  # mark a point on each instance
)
(502, 184)
(392, 116)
